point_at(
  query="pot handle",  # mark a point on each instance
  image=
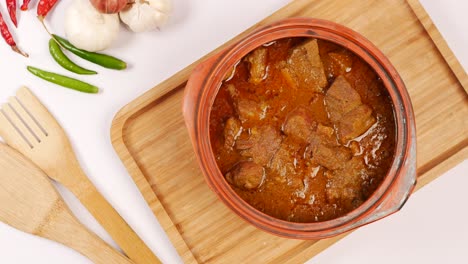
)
(193, 92)
(400, 192)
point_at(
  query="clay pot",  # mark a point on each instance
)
(400, 180)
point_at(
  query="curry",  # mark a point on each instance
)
(303, 130)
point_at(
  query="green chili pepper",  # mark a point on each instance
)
(98, 58)
(64, 61)
(64, 80)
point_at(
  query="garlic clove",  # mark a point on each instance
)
(146, 15)
(163, 6)
(88, 29)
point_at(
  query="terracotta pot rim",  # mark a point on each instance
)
(219, 64)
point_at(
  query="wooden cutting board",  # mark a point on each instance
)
(150, 137)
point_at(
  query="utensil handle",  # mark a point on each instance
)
(64, 228)
(114, 224)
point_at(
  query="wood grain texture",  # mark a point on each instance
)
(150, 137)
(27, 126)
(30, 203)
(439, 41)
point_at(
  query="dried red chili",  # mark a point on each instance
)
(11, 5)
(44, 7)
(25, 5)
(8, 37)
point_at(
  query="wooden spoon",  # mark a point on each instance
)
(30, 203)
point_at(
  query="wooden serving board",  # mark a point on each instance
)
(150, 137)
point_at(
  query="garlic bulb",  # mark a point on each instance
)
(146, 15)
(88, 29)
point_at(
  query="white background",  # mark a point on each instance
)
(432, 227)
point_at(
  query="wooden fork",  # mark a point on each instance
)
(26, 125)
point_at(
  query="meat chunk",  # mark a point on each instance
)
(287, 75)
(299, 124)
(285, 159)
(323, 135)
(345, 109)
(326, 135)
(341, 98)
(344, 186)
(247, 109)
(246, 175)
(339, 63)
(261, 145)
(304, 68)
(332, 158)
(232, 90)
(251, 110)
(325, 132)
(232, 130)
(355, 123)
(258, 65)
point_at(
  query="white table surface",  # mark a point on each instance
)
(431, 228)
